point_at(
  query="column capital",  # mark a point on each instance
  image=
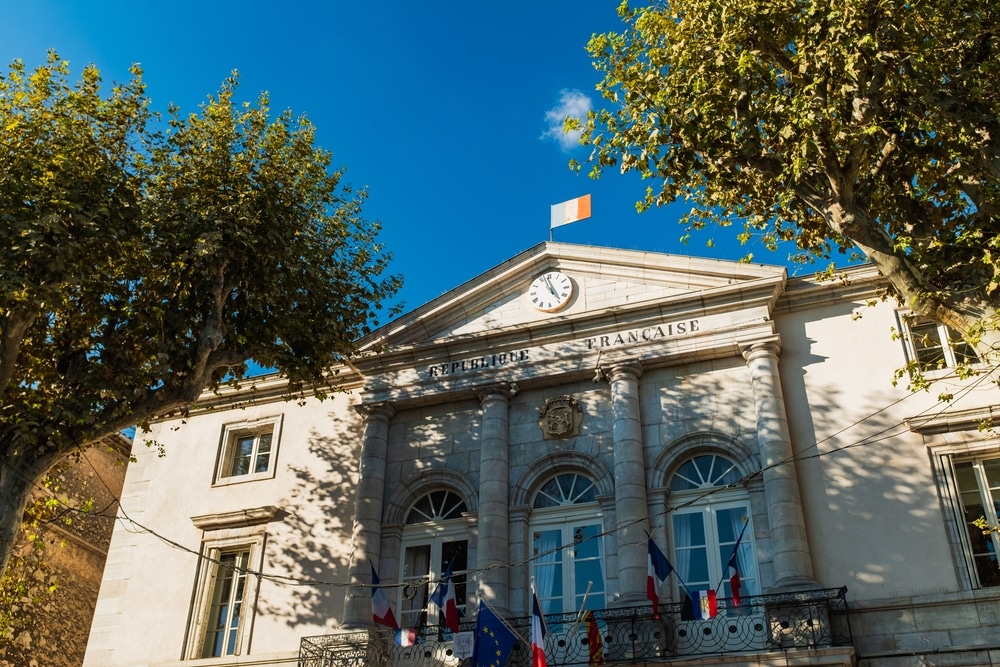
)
(756, 350)
(505, 390)
(382, 409)
(621, 370)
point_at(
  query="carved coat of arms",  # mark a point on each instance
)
(560, 417)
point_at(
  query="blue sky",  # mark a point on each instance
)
(442, 109)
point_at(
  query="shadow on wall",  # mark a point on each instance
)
(866, 483)
(314, 537)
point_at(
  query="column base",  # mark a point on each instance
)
(795, 584)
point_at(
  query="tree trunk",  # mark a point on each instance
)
(964, 316)
(18, 479)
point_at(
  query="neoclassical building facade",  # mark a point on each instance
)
(541, 424)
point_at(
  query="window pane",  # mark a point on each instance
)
(588, 544)
(704, 471)
(242, 456)
(224, 609)
(964, 353)
(991, 471)
(436, 506)
(588, 566)
(588, 571)
(456, 553)
(685, 478)
(691, 552)
(989, 572)
(548, 569)
(927, 343)
(704, 466)
(730, 523)
(416, 567)
(566, 489)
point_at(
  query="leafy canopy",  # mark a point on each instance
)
(144, 260)
(870, 125)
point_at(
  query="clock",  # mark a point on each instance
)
(550, 291)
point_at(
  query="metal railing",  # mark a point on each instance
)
(762, 623)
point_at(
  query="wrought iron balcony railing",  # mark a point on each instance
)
(762, 623)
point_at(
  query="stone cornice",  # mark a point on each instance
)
(237, 519)
(856, 283)
(957, 420)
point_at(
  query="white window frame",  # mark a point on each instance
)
(569, 513)
(429, 528)
(232, 433)
(989, 510)
(955, 436)
(942, 335)
(717, 569)
(566, 519)
(434, 535)
(251, 539)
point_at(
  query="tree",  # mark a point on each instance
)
(142, 264)
(858, 124)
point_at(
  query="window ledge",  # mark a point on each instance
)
(242, 479)
(958, 420)
(239, 518)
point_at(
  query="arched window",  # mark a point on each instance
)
(435, 535)
(567, 545)
(705, 526)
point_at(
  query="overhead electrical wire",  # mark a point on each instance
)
(474, 574)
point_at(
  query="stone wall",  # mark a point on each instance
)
(54, 630)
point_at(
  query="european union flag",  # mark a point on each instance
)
(494, 640)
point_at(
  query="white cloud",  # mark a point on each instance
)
(571, 103)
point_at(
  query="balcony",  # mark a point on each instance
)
(810, 620)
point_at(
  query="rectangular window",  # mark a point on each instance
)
(978, 482)
(251, 454)
(423, 565)
(225, 588)
(568, 559)
(249, 450)
(225, 610)
(934, 345)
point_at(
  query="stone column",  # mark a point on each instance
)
(367, 535)
(520, 553)
(792, 562)
(492, 556)
(630, 482)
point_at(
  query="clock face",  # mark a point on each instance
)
(550, 291)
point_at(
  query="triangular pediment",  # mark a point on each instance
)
(606, 282)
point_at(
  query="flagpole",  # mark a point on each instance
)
(579, 613)
(735, 547)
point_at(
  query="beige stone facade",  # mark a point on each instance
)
(673, 397)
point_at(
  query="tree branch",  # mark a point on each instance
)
(15, 325)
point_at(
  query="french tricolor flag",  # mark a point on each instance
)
(704, 604)
(566, 212)
(658, 569)
(406, 636)
(734, 571)
(381, 610)
(734, 579)
(537, 632)
(444, 598)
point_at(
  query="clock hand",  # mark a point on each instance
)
(551, 288)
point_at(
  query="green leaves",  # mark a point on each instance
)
(857, 123)
(142, 262)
